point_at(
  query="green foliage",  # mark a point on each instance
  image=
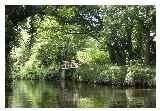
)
(92, 53)
(117, 75)
(139, 74)
(126, 33)
(35, 74)
(108, 42)
(102, 73)
(88, 72)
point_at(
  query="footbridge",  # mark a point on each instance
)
(69, 65)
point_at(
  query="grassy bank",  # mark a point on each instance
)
(133, 75)
(36, 74)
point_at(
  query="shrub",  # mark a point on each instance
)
(140, 74)
(114, 75)
(117, 75)
(35, 73)
(102, 73)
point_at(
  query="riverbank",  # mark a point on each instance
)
(132, 76)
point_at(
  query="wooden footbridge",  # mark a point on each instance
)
(69, 65)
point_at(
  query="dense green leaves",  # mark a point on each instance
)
(126, 32)
(42, 37)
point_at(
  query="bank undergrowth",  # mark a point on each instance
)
(133, 75)
(127, 75)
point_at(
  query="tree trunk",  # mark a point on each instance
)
(147, 48)
(147, 54)
(129, 41)
(147, 39)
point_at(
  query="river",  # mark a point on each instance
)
(53, 94)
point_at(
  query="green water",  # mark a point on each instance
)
(46, 94)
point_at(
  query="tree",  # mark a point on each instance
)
(125, 30)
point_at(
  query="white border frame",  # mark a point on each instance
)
(75, 2)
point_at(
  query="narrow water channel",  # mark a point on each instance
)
(46, 94)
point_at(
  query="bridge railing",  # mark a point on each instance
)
(69, 65)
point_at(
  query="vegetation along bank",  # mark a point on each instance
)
(113, 45)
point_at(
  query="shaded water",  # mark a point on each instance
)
(69, 94)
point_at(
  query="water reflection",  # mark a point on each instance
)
(70, 94)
